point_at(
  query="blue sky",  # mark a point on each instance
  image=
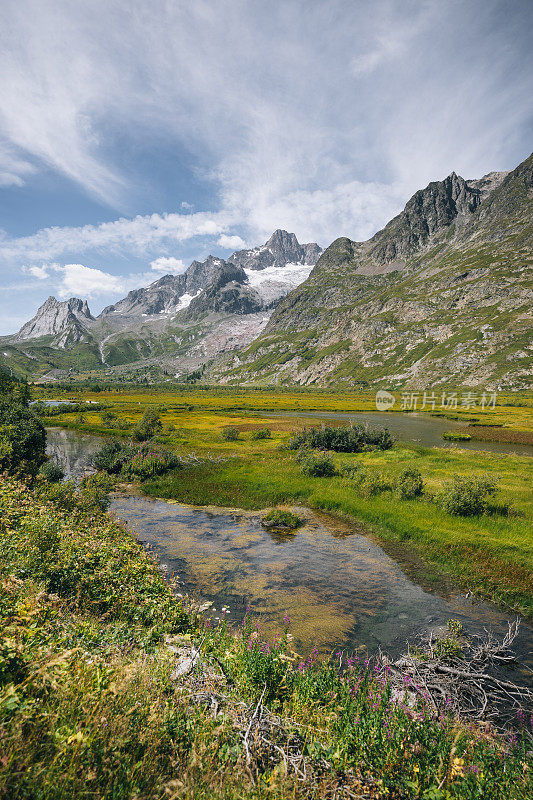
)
(137, 136)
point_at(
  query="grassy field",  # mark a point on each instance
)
(490, 555)
(96, 701)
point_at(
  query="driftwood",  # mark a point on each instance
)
(466, 680)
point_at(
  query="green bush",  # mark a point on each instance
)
(22, 439)
(467, 497)
(343, 439)
(52, 471)
(318, 466)
(113, 456)
(94, 492)
(230, 434)
(281, 519)
(409, 484)
(369, 483)
(148, 427)
(349, 470)
(261, 433)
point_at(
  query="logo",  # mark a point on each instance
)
(384, 400)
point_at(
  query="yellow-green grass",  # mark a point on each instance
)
(513, 411)
(489, 554)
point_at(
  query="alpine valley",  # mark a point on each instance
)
(441, 295)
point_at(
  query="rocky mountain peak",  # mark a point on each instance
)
(282, 248)
(66, 320)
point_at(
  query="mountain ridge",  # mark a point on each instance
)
(394, 310)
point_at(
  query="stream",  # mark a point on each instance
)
(338, 586)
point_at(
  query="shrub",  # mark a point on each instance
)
(52, 471)
(94, 492)
(230, 434)
(261, 433)
(343, 439)
(349, 470)
(149, 425)
(113, 456)
(370, 483)
(409, 484)
(318, 466)
(22, 439)
(281, 519)
(466, 497)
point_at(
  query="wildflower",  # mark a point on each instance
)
(458, 768)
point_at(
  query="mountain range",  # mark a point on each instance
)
(174, 325)
(442, 295)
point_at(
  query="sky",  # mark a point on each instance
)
(135, 136)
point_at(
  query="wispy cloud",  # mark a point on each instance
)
(321, 118)
(141, 235)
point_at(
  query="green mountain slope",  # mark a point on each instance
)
(441, 296)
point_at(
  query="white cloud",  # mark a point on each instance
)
(81, 281)
(168, 265)
(140, 235)
(231, 242)
(38, 272)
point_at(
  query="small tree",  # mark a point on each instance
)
(148, 427)
(22, 435)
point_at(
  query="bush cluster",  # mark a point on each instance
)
(134, 460)
(467, 497)
(343, 439)
(286, 520)
(230, 434)
(52, 471)
(318, 465)
(261, 433)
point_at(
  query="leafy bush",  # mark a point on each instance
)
(318, 466)
(94, 492)
(343, 439)
(113, 456)
(281, 519)
(22, 438)
(370, 483)
(349, 470)
(230, 434)
(52, 471)
(410, 484)
(466, 497)
(135, 461)
(148, 427)
(261, 433)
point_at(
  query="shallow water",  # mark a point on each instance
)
(337, 585)
(419, 428)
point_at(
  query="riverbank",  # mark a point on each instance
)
(98, 697)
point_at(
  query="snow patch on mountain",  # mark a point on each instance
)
(273, 283)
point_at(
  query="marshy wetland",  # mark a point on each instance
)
(379, 571)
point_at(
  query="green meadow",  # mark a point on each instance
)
(489, 554)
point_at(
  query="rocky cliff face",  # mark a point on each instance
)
(68, 322)
(442, 295)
